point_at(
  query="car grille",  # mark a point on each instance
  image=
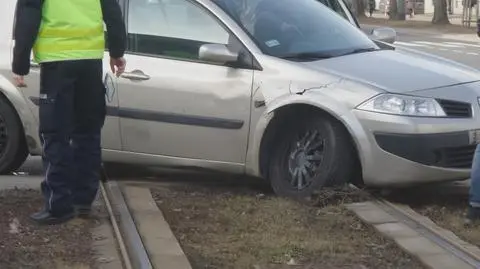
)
(456, 109)
(455, 157)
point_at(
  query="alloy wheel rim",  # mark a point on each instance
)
(305, 158)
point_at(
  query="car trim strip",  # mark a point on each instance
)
(147, 115)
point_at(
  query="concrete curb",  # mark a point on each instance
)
(427, 252)
(430, 33)
(161, 244)
(20, 182)
(104, 244)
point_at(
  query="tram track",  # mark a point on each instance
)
(132, 250)
(135, 256)
(441, 237)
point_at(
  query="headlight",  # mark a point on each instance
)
(403, 105)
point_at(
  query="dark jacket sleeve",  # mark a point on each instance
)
(116, 32)
(28, 16)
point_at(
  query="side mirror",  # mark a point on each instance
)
(385, 34)
(217, 53)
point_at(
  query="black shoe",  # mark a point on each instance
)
(82, 211)
(46, 218)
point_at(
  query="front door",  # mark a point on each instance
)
(170, 102)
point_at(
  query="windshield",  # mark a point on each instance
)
(286, 28)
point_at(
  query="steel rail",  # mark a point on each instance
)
(132, 250)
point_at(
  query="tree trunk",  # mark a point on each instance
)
(440, 12)
(392, 9)
(401, 10)
(359, 8)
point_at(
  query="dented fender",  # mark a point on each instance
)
(314, 97)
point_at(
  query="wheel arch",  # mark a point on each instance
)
(29, 124)
(282, 113)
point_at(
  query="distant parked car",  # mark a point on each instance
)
(286, 90)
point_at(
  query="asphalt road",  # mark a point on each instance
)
(466, 52)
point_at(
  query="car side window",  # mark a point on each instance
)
(173, 29)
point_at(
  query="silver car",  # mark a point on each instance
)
(286, 90)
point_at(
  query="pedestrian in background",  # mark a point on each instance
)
(371, 7)
(410, 8)
(67, 37)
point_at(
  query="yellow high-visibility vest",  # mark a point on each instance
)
(70, 30)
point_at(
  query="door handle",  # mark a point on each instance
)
(34, 64)
(135, 75)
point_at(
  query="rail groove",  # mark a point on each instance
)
(132, 249)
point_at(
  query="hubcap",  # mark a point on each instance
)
(305, 158)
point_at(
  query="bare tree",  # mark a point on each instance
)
(401, 5)
(359, 8)
(440, 12)
(392, 9)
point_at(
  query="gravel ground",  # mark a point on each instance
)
(225, 227)
(24, 245)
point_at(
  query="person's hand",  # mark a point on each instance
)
(19, 81)
(119, 64)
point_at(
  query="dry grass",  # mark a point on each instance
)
(24, 245)
(450, 28)
(220, 227)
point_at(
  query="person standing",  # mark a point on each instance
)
(473, 213)
(410, 8)
(68, 41)
(371, 7)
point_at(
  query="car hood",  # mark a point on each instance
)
(397, 71)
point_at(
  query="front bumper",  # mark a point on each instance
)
(400, 151)
(447, 150)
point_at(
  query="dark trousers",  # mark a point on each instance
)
(72, 113)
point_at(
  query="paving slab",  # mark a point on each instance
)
(104, 244)
(21, 182)
(162, 247)
(396, 230)
(371, 213)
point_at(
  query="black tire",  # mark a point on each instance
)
(13, 147)
(335, 166)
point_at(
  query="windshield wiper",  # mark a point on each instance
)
(307, 56)
(361, 50)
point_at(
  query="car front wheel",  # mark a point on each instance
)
(311, 154)
(13, 149)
